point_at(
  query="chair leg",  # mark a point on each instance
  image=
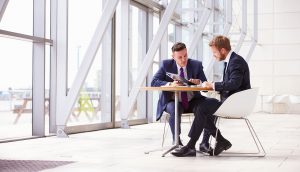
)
(165, 132)
(258, 144)
(261, 151)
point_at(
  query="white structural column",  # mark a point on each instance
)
(60, 43)
(254, 38)
(53, 67)
(147, 63)
(203, 21)
(38, 71)
(3, 5)
(244, 27)
(124, 61)
(66, 103)
(149, 78)
(142, 42)
(106, 73)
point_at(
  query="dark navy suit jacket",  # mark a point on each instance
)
(194, 70)
(236, 78)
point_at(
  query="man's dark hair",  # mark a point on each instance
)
(178, 46)
(220, 42)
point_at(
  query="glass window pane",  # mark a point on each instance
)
(93, 102)
(18, 17)
(81, 27)
(137, 51)
(15, 89)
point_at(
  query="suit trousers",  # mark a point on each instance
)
(170, 109)
(204, 117)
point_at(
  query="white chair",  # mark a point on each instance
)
(239, 106)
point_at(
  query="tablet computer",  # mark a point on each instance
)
(176, 77)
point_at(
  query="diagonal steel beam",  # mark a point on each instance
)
(3, 5)
(145, 66)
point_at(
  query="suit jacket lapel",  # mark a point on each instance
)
(228, 65)
(174, 67)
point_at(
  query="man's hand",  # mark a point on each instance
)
(207, 85)
(176, 83)
(195, 81)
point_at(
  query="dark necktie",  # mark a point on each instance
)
(184, 97)
(224, 72)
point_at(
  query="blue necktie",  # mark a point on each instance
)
(184, 97)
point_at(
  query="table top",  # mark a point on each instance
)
(178, 88)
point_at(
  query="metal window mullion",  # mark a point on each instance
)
(124, 61)
(163, 48)
(228, 17)
(38, 72)
(105, 99)
(149, 94)
(208, 60)
(244, 27)
(148, 60)
(255, 28)
(142, 41)
(24, 37)
(61, 43)
(203, 21)
(53, 67)
(163, 53)
(178, 27)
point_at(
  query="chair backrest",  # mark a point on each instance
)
(238, 105)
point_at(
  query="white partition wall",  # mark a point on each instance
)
(274, 64)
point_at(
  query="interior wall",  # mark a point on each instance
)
(275, 63)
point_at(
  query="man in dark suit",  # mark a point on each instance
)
(190, 69)
(236, 78)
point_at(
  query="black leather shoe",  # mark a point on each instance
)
(220, 147)
(204, 148)
(185, 152)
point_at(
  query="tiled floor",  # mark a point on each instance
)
(123, 149)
